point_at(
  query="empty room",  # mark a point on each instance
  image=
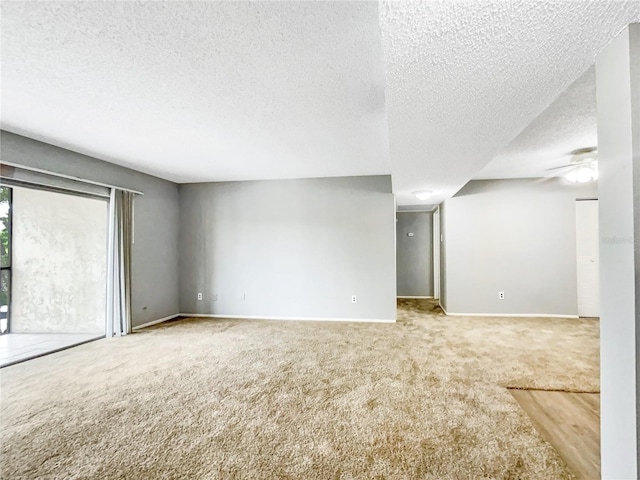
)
(319, 239)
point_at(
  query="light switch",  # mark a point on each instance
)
(410, 234)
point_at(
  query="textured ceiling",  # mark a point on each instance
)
(568, 124)
(465, 78)
(198, 91)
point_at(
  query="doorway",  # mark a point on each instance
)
(414, 254)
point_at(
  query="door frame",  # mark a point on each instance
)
(436, 253)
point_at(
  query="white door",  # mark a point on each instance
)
(587, 247)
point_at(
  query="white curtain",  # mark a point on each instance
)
(119, 263)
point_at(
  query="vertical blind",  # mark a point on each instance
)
(119, 263)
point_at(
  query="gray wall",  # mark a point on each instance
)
(289, 248)
(155, 252)
(58, 263)
(516, 236)
(618, 96)
(414, 255)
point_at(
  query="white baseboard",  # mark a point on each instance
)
(155, 322)
(410, 297)
(359, 320)
(523, 315)
(304, 319)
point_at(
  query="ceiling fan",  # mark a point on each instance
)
(582, 168)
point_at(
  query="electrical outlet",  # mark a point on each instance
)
(215, 297)
(354, 299)
(199, 295)
(501, 295)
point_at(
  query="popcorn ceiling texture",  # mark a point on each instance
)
(464, 78)
(200, 91)
(567, 124)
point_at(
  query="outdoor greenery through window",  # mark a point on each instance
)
(5, 256)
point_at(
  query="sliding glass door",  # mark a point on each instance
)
(6, 195)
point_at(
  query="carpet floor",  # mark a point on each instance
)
(206, 399)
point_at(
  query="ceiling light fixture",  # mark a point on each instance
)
(423, 194)
(583, 166)
(583, 173)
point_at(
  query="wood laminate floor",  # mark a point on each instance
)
(570, 422)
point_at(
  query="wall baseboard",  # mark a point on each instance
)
(155, 322)
(523, 315)
(417, 297)
(358, 320)
(304, 319)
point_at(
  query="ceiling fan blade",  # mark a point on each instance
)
(562, 166)
(537, 181)
(582, 151)
(561, 171)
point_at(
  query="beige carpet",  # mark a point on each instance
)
(201, 399)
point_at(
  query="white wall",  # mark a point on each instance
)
(515, 236)
(289, 248)
(155, 252)
(59, 263)
(618, 97)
